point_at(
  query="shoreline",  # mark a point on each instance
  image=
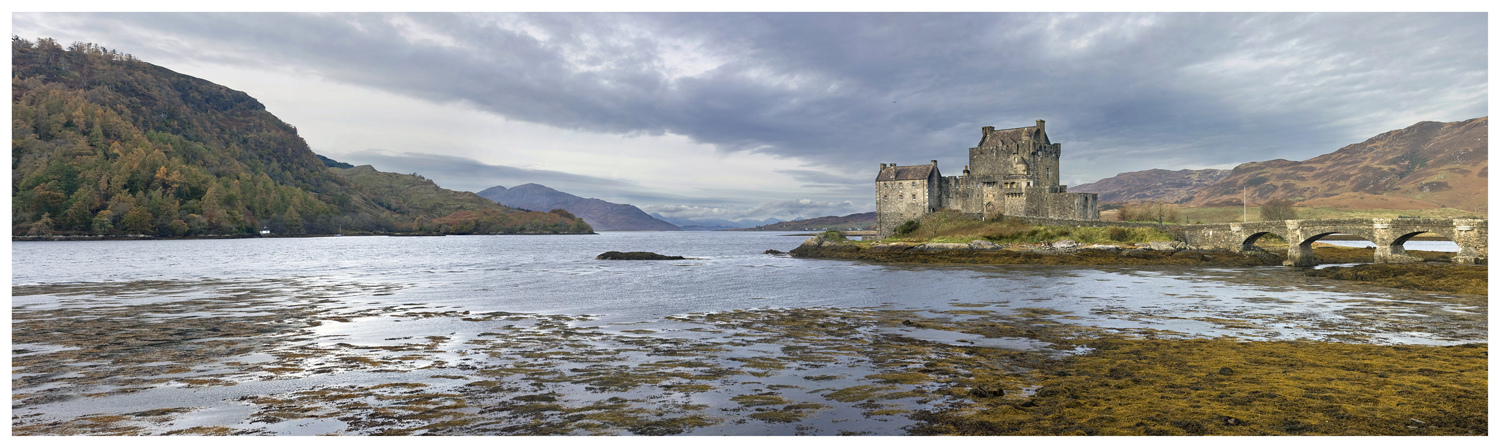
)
(1433, 274)
(1157, 253)
(248, 236)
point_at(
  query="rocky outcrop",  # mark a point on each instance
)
(613, 255)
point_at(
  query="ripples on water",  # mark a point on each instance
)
(430, 311)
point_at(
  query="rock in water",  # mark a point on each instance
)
(613, 255)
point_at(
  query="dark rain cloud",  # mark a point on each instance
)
(1121, 92)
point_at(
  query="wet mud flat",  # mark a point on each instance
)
(317, 356)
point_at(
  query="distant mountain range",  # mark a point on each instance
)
(860, 221)
(600, 214)
(1426, 165)
(714, 224)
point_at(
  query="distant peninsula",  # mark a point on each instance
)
(600, 214)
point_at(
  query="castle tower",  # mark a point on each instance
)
(1013, 172)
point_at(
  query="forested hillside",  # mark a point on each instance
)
(461, 212)
(102, 144)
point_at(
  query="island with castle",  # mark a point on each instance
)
(1012, 172)
(1013, 175)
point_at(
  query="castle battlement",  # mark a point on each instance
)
(1011, 172)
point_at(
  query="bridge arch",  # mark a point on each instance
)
(1248, 244)
(1388, 234)
(1408, 235)
(1307, 241)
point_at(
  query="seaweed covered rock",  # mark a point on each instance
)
(824, 244)
(613, 255)
(1438, 277)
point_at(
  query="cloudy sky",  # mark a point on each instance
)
(738, 115)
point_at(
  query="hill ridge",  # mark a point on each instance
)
(1426, 165)
(600, 214)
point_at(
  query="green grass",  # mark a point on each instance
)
(945, 228)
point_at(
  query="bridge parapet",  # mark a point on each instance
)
(1388, 234)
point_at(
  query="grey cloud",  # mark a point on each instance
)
(1121, 91)
(464, 174)
(822, 177)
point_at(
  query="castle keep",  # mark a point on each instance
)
(1012, 172)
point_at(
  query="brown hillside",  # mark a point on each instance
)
(1152, 185)
(857, 220)
(1439, 163)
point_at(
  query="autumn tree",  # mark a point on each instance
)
(293, 221)
(42, 227)
(1150, 211)
(138, 221)
(103, 223)
(1277, 210)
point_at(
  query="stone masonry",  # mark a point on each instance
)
(1012, 172)
(1388, 235)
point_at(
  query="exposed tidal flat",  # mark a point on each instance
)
(532, 335)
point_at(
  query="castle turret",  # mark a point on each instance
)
(1041, 126)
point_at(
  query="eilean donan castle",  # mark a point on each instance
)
(1012, 172)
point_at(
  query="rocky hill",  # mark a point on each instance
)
(1426, 165)
(105, 144)
(600, 214)
(1152, 185)
(862, 221)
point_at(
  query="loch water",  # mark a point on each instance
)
(423, 293)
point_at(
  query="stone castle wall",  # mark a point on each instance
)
(1061, 205)
(899, 201)
(962, 193)
(1012, 172)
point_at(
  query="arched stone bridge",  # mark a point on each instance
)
(1471, 235)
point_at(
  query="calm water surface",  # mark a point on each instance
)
(384, 284)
